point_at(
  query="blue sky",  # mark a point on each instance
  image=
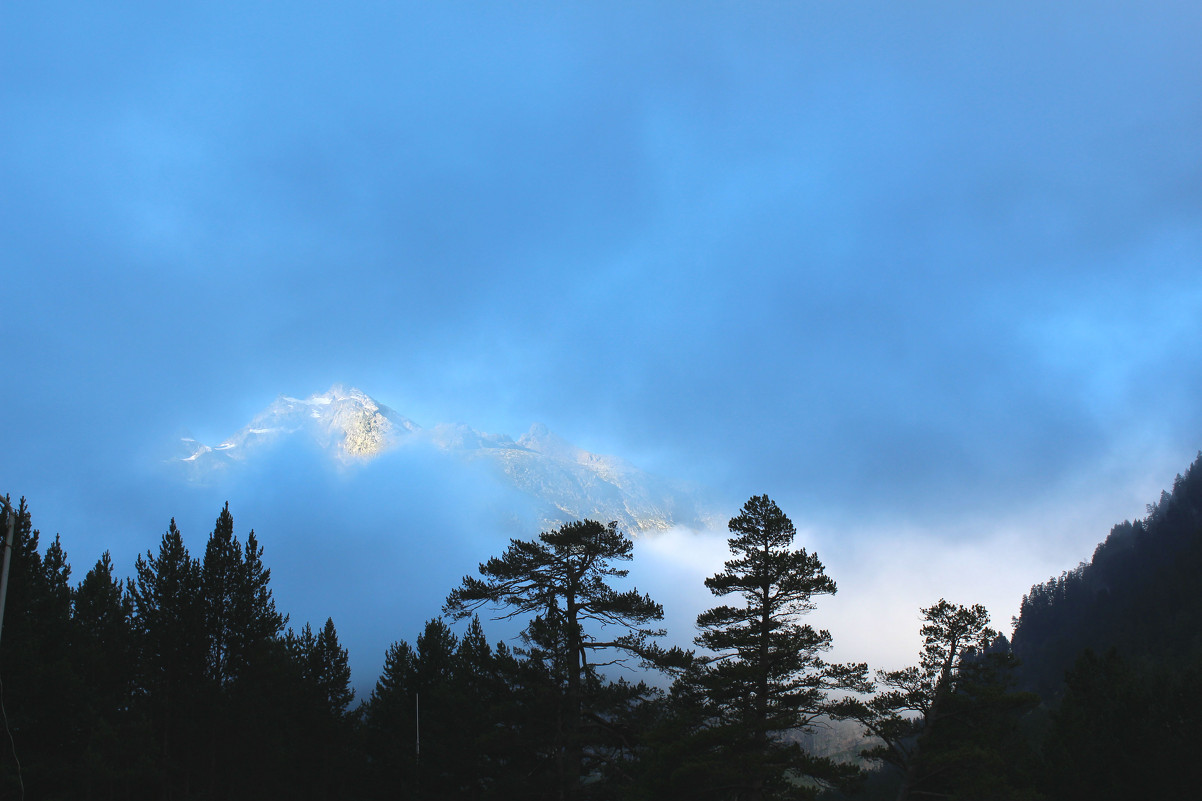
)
(927, 273)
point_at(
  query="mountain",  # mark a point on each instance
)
(348, 422)
(564, 482)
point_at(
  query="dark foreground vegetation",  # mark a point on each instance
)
(185, 681)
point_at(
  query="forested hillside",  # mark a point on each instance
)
(1114, 647)
(1140, 594)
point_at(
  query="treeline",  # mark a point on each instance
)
(185, 682)
(182, 682)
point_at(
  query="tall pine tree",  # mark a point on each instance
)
(103, 654)
(766, 676)
(169, 626)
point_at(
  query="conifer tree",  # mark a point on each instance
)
(562, 579)
(257, 623)
(389, 722)
(54, 604)
(103, 655)
(169, 626)
(320, 742)
(218, 592)
(240, 614)
(441, 711)
(332, 671)
(484, 709)
(766, 676)
(957, 678)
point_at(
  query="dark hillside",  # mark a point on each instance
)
(1139, 595)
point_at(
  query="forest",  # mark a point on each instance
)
(184, 681)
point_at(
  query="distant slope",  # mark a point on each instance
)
(1141, 594)
(563, 481)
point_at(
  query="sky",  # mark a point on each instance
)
(927, 274)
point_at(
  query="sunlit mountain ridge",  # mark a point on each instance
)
(564, 482)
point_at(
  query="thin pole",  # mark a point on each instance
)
(8, 553)
(417, 722)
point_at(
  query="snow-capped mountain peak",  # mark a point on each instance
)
(565, 481)
(348, 422)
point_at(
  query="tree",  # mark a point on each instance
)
(766, 675)
(1126, 729)
(462, 702)
(103, 655)
(496, 756)
(319, 743)
(389, 723)
(168, 622)
(332, 671)
(240, 626)
(219, 592)
(240, 614)
(41, 688)
(562, 579)
(930, 717)
(438, 703)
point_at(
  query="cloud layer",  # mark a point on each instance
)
(912, 271)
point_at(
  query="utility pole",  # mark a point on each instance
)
(11, 519)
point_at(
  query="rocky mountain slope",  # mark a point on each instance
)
(563, 481)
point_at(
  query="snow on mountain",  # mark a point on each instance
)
(564, 482)
(346, 422)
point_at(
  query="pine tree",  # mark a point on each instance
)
(389, 722)
(169, 621)
(562, 579)
(416, 720)
(320, 742)
(767, 675)
(256, 623)
(439, 701)
(240, 614)
(218, 592)
(484, 708)
(930, 718)
(241, 627)
(103, 655)
(331, 671)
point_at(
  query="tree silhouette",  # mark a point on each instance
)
(766, 676)
(948, 724)
(169, 626)
(562, 579)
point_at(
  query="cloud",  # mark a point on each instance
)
(901, 269)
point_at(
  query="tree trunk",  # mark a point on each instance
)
(942, 687)
(573, 753)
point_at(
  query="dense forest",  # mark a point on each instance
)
(1114, 649)
(185, 681)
